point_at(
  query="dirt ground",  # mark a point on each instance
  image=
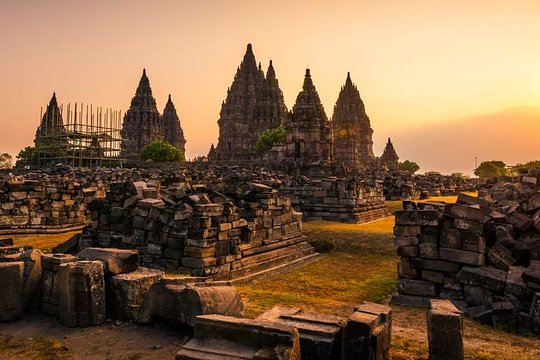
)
(112, 340)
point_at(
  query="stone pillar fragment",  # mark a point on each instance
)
(49, 281)
(81, 293)
(445, 331)
(126, 292)
(11, 285)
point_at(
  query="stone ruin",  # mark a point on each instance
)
(482, 253)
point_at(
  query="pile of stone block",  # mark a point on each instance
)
(199, 231)
(96, 284)
(290, 333)
(402, 185)
(35, 204)
(337, 199)
(483, 253)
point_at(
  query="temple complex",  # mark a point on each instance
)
(172, 130)
(309, 132)
(353, 135)
(143, 123)
(389, 158)
(254, 103)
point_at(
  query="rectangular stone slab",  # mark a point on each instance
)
(11, 285)
(445, 331)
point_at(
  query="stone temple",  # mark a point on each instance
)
(254, 103)
(390, 157)
(51, 125)
(309, 131)
(144, 124)
(353, 142)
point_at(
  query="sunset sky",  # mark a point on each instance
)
(446, 80)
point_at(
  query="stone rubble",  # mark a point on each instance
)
(482, 253)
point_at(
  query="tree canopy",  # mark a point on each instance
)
(408, 165)
(269, 138)
(161, 151)
(493, 168)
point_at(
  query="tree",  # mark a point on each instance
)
(409, 166)
(460, 175)
(534, 164)
(493, 168)
(269, 138)
(161, 151)
(6, 161)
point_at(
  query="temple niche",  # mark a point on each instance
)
(353, 135)
(309, 132)
(253, 104)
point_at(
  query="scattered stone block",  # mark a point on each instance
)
(224, 337)
(11, 283)
(115, 261)
(445, 331)
(181, 304)
(320, 334)
(126, 292)
(81, 293)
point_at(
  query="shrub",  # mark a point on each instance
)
(493, 168)
(161, 151)
(409, 166)
(269, 138)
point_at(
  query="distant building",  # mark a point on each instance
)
(389, 158)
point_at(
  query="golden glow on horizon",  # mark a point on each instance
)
(416, 63)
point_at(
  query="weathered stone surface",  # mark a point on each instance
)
(81, 293)
(49, 281)
(11, 283)
(532, 273)
(487, 277)
(32, 279)
(410, 300)
(218, 336)
(115, 261)
(445, 331)
(418, 217)
(381, 338)
(320, 334)
(181, 304)
(462, 257)
(417, 287)
(126, 292)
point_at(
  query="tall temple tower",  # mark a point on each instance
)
(390, 157)
(51, 124)
(353, 135)
(238, 111)
(309, 132)
(271, 110)
(142, 122)
(172, 129)
(254, 103)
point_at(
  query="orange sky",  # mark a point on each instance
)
(417, 64)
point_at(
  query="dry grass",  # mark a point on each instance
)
(39, 348)
(43, 242)
(363, 267)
